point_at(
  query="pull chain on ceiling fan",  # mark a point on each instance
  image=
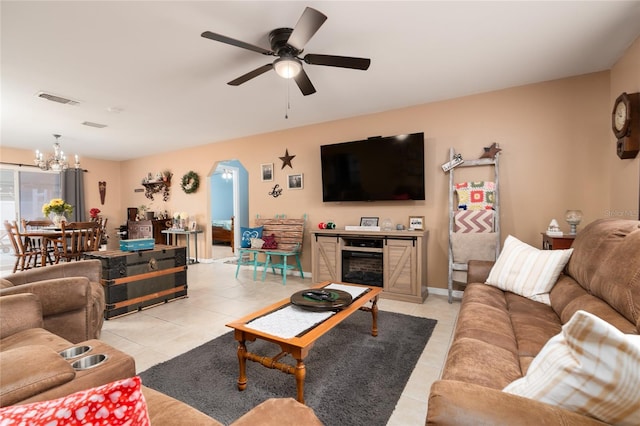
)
(287, 44)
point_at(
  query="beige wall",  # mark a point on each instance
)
(623, 183)
(558, 153)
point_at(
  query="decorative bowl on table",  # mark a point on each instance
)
(573, 218)
(319, 299)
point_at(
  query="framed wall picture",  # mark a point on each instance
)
(368, 221)
(295, 181)
(416, 223)
(266, 172)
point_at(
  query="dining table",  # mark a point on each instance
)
(46, 235)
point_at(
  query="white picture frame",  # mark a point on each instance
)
(295, 181)
(193, 226)
(416, 223)
(369, 221)
(266, 172)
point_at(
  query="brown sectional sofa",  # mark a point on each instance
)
(498, 333)
(32, 335)
(32, 369)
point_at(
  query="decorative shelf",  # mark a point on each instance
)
(155, 187)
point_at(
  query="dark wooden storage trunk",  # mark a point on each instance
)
(135, 280)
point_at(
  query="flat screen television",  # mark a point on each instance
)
(374, 169)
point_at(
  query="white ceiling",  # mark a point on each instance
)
(148, 60)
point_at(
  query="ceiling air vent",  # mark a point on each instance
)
(56, 98)
(91, 124)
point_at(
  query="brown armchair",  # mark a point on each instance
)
(71, 294)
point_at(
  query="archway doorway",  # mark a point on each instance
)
(229, 186)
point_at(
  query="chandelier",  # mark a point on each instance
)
(227, 175)
(56, 162)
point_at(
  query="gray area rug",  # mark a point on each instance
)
(352, 377)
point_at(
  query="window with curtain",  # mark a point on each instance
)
(23, 192)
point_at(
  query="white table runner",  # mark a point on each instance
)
(292, 320)
(351, 289)
(289, 321)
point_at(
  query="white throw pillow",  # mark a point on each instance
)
(591, 368)
(257, 243)
(526, 270)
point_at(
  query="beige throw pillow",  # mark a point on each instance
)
(257, 243)
(591, 368)
(526, 270)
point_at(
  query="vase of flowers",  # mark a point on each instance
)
(180, 220)
(58, 210)
(183, 220)
(94, 212)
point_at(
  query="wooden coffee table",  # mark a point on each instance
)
(299, 346)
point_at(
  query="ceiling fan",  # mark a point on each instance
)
(287, 44)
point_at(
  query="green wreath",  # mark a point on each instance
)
(190, 182)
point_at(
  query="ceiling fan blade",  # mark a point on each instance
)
(310, 22)
(338, 61)
(303, 82)
(234, 42)
(251, 74)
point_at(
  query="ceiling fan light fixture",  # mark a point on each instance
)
(287, 67)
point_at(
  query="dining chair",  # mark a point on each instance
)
(23, 252)
(103, 225)
(77, 238)
(36, 242)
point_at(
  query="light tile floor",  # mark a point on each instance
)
(216, 297)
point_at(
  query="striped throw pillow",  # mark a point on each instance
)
(591, 368)
(526, 270)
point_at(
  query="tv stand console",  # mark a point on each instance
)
(393, 260)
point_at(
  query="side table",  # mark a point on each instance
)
(171, 233)
(557, 243)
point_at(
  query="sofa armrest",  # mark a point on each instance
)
(19, 312)
(165, 410)
(30, 370)
(458, 403)
(279, 412)
(478, 270)
(57, 295)
(90, 269)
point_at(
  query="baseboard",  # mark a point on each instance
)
(457, 294)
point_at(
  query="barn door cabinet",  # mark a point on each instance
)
(396, 258)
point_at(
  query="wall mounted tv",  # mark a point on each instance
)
(374, 169)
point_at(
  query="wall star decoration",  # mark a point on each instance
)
(286, 160)
(490, 151)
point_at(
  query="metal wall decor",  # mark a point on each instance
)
(102, 188)
(276, 191)
(286, 160)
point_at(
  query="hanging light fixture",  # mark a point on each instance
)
(227, 175)
(287, 66)
(56, 162)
